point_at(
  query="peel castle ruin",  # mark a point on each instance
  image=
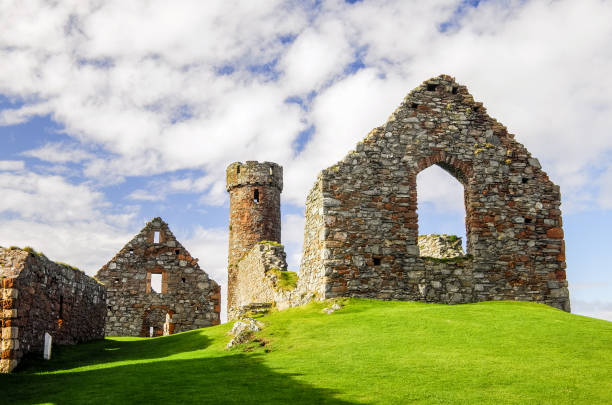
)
(361, 238)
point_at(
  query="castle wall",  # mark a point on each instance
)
(38, 297)
(254, 190)
(363, 210)
(188, 295)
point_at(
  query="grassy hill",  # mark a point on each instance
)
(367, 352)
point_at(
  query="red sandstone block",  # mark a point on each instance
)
(555, 233)
(8, 282)
(7, 354)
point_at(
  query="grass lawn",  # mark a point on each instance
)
(367, 352)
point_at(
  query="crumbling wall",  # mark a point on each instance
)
(440, 246)
(259, 281)
(188, 295)
(364, 209)
(40, 296)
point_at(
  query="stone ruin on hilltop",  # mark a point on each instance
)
(361, 238)
(361, 233)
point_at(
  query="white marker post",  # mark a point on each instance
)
(48, 343)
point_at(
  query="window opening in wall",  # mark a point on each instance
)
(414, 105)
(441, 211)
(131, 251)
(238, 170)
(177, 252)
(524, 180)
(256, 196)
(156, 237)
(156, 282)
(183, 279)
(454, 90)
(431, 87)
(271, 172)
(528, 220)
(377, 261)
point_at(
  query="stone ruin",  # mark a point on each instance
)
(361, 236)
(41, 297)
(188, 299)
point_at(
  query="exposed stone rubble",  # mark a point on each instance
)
(361, 229)
(440, 246)
(40, 296)
(189, 299)
(243, 330)
(333, 308)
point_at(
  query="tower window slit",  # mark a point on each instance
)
(256, 196)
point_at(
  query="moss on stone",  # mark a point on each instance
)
(285, 280)
(270, 242)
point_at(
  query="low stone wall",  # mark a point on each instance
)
(258, 280)
(41, 296)
(440, 246)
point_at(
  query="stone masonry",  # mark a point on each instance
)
(257, 279)
(361, 230)
(254, 190)
(189, 299)
(40, 296)
(440, 246)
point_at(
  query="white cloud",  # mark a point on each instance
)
(59, 153)
(12, 165)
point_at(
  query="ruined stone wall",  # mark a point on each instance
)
(312, 270)
(40, 296)
(368, 220)
(254, 190)
(190, 297)
(257, 280)
(440, 246)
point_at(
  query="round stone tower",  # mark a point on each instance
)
(254, 190)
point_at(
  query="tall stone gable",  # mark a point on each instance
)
(361, 232)
(189, 299)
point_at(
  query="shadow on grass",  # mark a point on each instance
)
(109, 350)
(237, 378)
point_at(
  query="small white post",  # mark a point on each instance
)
(48, 343)
(151, 331)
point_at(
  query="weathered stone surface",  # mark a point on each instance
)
(361, 228)
(440, 246)
(188, 295)
(243, 330)
(39, 297)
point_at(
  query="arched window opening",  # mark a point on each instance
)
(256, 196)
(441, 213)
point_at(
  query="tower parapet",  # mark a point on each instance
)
(254, 190)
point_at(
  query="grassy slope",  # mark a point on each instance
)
(368, 352)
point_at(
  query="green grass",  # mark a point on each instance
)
(285, 280)
(366, 352)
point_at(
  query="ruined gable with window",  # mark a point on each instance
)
(361, 232)
(184, 297)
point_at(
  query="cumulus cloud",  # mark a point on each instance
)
(11, 165)
(59, 153)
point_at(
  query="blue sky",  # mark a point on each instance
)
(113, 114)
